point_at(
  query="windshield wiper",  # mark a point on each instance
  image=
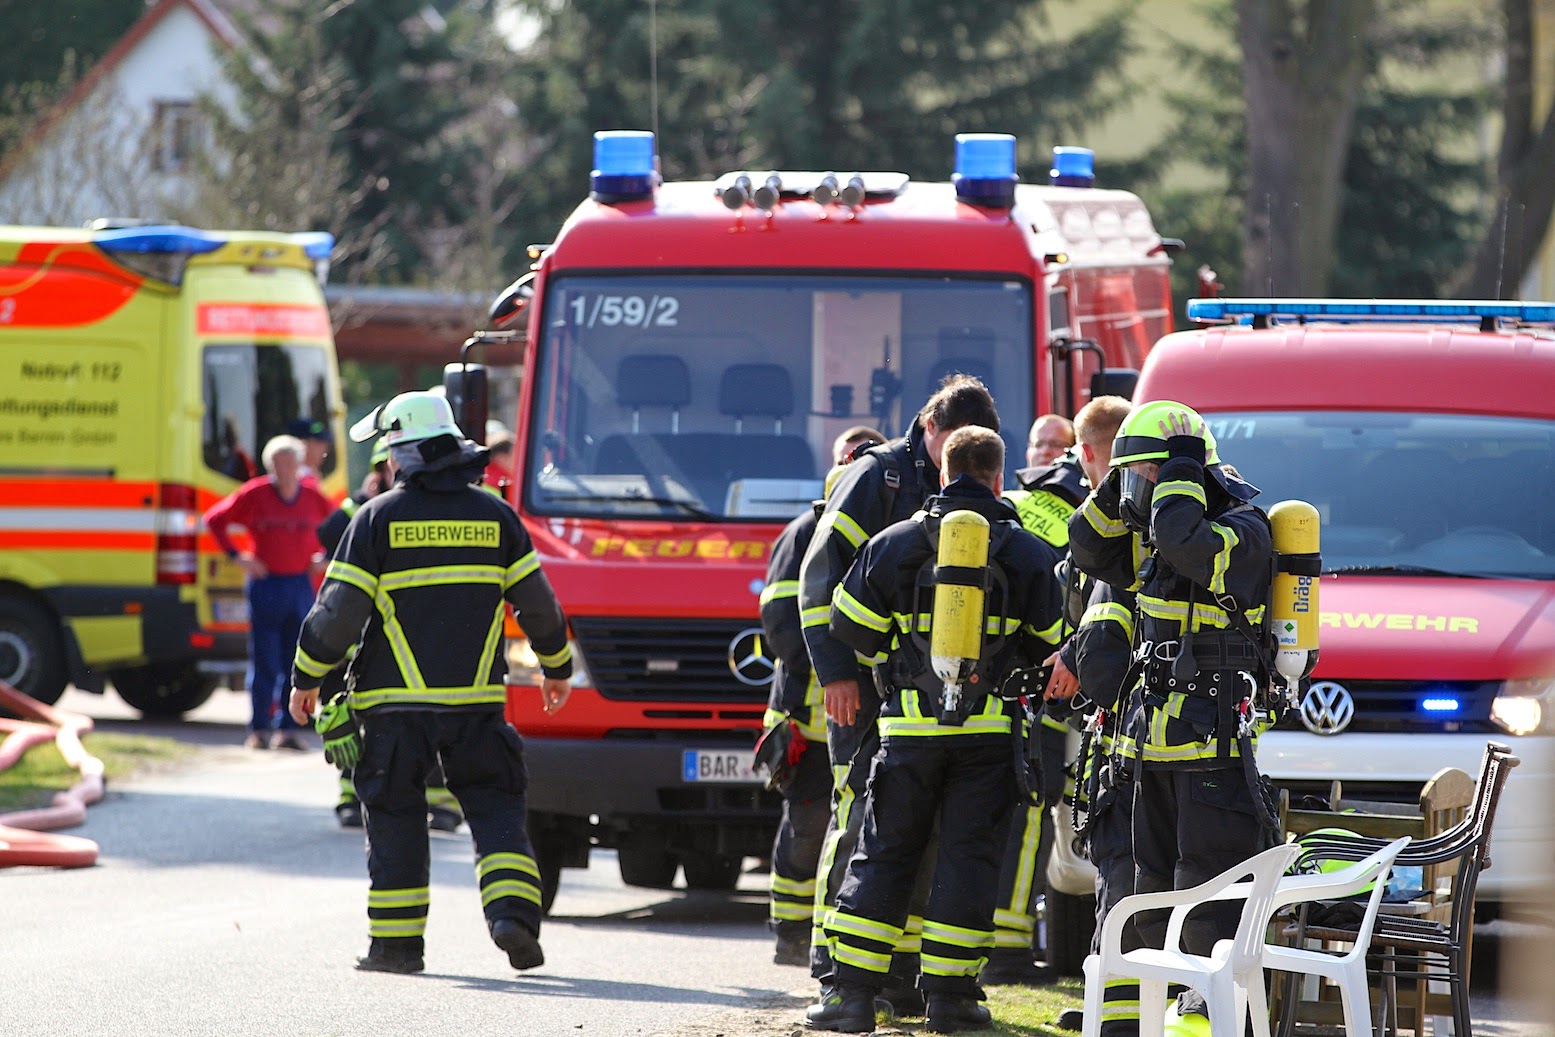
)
(689, 507)
(1399, 570)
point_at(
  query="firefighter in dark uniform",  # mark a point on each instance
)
(1202, 594)
(442, 809)
(887, 484)
(952, 762)
(793, 747)
(421, 579)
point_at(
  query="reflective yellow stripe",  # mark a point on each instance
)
(996, 625)
(780, 589)
(912, 936)
(389, 928)
(991, 719)
(843, 523)
(1020, 891)
(905, 622)
(1217, 577)
(857, 611)
(956, 935)
(509, 888)
(506, 861)
(519, 569)
(555, 659)
(934, 965)
(788, 911)
(859, 958)
(792, 887)
(1179, 488)
(345, 572)
(1050, 635)
(1098, 520)
(440, 575)
(1110, 612)
(864, 928)
(1012, 920)
(493, 644)
(309, 665)
(419, 896)
(815, 616)
(481, 695)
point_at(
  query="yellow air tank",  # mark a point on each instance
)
(1293, 602)
(956, 636)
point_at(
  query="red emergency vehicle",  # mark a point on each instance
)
(1424, 433)
(692, 351)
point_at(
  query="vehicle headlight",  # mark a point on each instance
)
(524, 665)
(1526, 707)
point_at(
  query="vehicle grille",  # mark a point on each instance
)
(1395, 707)
(683, 660)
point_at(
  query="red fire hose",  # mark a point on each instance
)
(23, 833)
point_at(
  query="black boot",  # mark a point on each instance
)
(793, 946)
(400, 954)
(521, 943)
(349, 813)
(948, 1013)
(1014, 966)
(844, 1008)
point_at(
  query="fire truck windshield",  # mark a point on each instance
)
(719, 396)
(1408, 494)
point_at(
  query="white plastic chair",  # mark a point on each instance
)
(1347, 970)
(1230, 978)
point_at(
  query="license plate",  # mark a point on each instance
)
(728, 765)
(229, 610)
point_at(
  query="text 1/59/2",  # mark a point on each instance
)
(634, 311)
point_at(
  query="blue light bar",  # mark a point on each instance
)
(985, 169)
(1073, 167)
(316, 244)
(165, 239)
(623, 166)
(1453, 310)
(1440, 705)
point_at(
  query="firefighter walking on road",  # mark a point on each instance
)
(421, 577)
(946, 756)
(1202, 593)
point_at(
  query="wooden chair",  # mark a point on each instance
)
(1433, 944)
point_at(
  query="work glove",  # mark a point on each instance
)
(336, 725)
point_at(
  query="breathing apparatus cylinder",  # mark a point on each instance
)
(956, 635)
(1293, 606)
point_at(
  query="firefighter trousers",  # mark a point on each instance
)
(1112, 852)
(968, 784)
(482, 758)
(797, 848)
(1189, 826)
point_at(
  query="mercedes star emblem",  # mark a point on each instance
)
(1327, 708)
(748, 657)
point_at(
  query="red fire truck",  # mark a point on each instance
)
(692, 350)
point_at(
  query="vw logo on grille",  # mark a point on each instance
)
(1327, 708)
(748, 657)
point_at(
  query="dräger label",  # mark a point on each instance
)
(445, 534)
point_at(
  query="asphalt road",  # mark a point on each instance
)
(228, 902)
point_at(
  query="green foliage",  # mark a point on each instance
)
(42, 771)
(1412, 183)
(860, 84)
(42, 37)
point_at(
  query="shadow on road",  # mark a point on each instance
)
(615, 990)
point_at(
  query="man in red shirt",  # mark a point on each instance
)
(281, 513)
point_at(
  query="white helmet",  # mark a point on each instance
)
(408, 418)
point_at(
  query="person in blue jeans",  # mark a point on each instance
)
(281, 513)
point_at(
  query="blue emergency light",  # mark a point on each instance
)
(163, 239)
(1376, 309)
(1073, 167)
(623, 166)
(1440, 705)
(985, 169)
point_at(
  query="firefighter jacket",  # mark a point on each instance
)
(883, 600)
(333, 529)
(421, 578)
(1201, 594)
(796, 694)
(1048, 496)
(887, 484)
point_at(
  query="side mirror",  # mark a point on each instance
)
(467, 388)
(512, 302)
(1114, 381)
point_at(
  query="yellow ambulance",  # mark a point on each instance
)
(142, 369)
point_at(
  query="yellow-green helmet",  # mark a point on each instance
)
(1142, 436)
(380, 452)
(408, 418)
(1324, 865)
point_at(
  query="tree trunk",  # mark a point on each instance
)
(1525, 188)
(1302, 66)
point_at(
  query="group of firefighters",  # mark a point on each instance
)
(937, 638)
